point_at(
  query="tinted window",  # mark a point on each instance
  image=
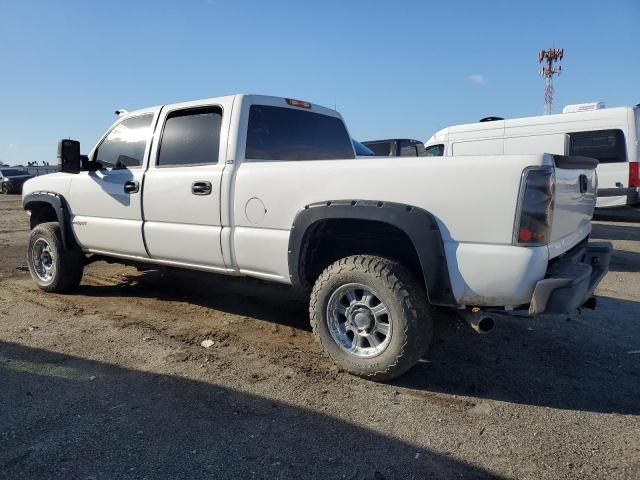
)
(12, 172)
(382, 149)
(606, 145)
(191, 137)
(277, 133)
(412, 148)
(125, 144)
(434, 150)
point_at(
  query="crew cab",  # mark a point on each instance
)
(271, 188)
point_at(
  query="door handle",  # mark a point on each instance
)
(201, 188)
(131, 187)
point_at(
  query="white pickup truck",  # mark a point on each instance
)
(271, 188)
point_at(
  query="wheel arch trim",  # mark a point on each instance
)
(418, 224)
(60, 207)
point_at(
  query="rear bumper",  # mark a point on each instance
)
(571, 279)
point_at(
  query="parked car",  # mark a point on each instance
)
(271, 188)
(611, 135)
(397, 147)
(12, 179)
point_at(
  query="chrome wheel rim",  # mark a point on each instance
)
(359, 321)
(43, 260)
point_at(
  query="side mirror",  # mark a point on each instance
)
(69, 156)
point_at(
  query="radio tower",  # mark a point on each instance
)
(549, 57)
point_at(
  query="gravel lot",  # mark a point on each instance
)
(112, 382)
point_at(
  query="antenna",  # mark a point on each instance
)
(549, 57)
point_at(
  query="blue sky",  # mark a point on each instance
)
(401, 68)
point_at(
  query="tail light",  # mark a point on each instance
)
(634, 174)
(535, 207)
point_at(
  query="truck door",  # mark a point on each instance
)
(105, 204)
(181, 197)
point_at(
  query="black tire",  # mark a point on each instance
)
(67, 265)
(410, 315)
(5, 189)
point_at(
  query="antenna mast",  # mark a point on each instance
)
(549, 57)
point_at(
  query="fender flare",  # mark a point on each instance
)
(419, 225)
(61, 208)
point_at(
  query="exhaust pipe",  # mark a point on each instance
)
(481, 322)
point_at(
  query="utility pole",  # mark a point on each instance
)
(549, 57)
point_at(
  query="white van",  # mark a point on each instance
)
(611, 135)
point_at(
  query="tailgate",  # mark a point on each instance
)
(574, 201)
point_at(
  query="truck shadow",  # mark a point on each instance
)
(568, 362)
(615, 232)
(576, 363)
(624, 261)
(622, 214)
(68, 417)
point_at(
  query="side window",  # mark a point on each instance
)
(606, 145)
(408, 149)
(434, 150)
(381, 149)
(279, 133)
(124, 145)
(191, 137)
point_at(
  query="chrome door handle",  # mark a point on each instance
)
(201, 188)
(131, 187)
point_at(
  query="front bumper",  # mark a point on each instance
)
(14, 187)
(571, 279)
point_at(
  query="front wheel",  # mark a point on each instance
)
(371, 316)
(53, 267)
(5, 189)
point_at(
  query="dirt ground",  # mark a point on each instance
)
(111, 382)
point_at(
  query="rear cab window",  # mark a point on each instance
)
(412, 148)
(287, 134)
(381, 149)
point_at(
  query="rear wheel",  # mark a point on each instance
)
(371, 316)
(53, 267)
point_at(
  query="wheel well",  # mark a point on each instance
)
(41, 212)
(329, 240)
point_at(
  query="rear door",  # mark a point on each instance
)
(609, 147)
(181, 195)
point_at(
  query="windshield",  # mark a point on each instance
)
(13, 172)
(362, 150)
